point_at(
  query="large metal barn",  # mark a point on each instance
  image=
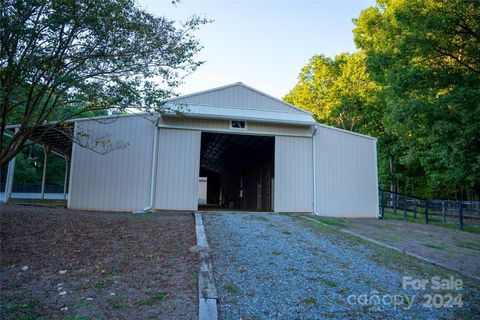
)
(231, 148)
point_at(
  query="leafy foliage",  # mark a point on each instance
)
(339, 92)
(63, 59)
(419, 92)
(425, 54)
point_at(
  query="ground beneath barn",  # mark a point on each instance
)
(270, 266)
(63, 264)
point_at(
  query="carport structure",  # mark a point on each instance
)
(54, 137)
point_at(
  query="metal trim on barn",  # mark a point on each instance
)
(279, 159)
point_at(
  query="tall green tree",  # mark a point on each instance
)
(339, 92)
(425, 54)
(61, 59)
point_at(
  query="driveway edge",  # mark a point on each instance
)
(396, 249)
(207, 291)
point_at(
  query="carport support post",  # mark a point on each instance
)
(10, 175)
(9, 181)
(382, 202)
(44, 173)
(415, 208)
(460, 209)
(443, 211)
(395, 203)
(426, 211)
(66, 178)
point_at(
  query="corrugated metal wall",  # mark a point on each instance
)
(178, 165)
(293, 190)
(345, 170)
(119, 180)
(346, 174)
(224, 126)
(237, 96)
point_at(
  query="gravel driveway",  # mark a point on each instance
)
(282, 267)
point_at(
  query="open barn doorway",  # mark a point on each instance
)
(236, 172)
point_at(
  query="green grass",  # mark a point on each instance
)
(81, 305)
(261, 218)
(41, 202)
(388, 258)
(75, 318)
(310, 301)
(468, 245)
(102, 284)
(465, 314)
(117, 303)
(24, 310)
(421, 219)
(393, 237)
(159, 298)
(194, 278)
(433, 246)
(293, 271)
(399, 262)
(232, 288)
(328, 282)
(335, 222)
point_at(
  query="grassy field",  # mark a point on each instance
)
(433, 220)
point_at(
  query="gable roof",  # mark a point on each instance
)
(238, 102)
(237, 95)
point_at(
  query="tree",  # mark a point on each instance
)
(62, 59)
(425, 54)
(339, 92)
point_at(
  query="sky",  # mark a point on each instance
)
(262, 43)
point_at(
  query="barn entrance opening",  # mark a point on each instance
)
(236, 172)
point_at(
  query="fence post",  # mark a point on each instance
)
(395, 203)
(426, 211)
(443, 211)
(415, 208)
(461, 215)
(382, 202)
(405, 205)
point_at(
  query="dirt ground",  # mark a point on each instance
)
(64, 264)
(450, 248)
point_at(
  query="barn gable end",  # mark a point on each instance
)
(237, 95)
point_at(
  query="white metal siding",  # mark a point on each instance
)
(346, 174)
(224, 126)
(116, 181)
(238, 96)
(178, 166)
(293, 174)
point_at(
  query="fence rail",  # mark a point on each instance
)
(49, 188)
(461, 213)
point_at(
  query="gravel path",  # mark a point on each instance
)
(275, 267)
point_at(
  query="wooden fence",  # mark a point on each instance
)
(461, 213)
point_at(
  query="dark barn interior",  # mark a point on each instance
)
(239, 171)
